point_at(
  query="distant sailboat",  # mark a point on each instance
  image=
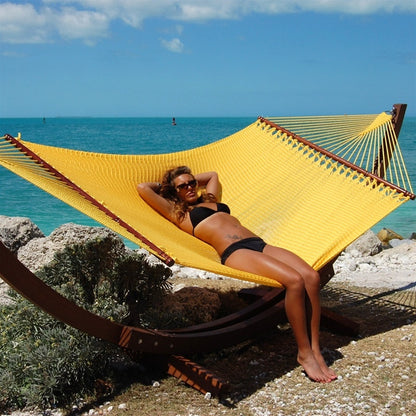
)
(173, 121)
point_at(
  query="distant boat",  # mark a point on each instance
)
(173, 121)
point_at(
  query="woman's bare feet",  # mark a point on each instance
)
(324, 367)
(313, 369)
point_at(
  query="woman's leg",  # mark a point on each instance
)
(313, 303)
(266, 264)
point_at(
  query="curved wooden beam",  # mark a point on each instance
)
(387, 147)
(260, 316)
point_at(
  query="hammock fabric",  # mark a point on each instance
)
(289, 191)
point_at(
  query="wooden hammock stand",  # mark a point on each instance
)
(169, 347)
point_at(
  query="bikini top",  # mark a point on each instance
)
(198, 214)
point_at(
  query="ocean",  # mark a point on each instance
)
(144, 136)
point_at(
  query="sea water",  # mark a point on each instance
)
(144, 136)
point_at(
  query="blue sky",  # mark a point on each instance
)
(206, 57)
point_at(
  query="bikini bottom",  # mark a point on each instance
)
(251, 243)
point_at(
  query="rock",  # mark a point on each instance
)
(191, 273)
(366, 267)
(391, 268)
(385, 235)
(366, 245)
(396, 242)
(40, 251)
(401, 256)
(15, 232)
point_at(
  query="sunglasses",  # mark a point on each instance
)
(192, 183)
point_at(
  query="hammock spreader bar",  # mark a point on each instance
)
(15, 142)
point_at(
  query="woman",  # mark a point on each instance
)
(177, 199)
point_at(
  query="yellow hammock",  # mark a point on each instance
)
(287, 190)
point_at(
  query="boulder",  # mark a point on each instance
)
(385, 235)
(366, 245)
(40, 251)
(402, 256)
(396, 242)
(15, 232)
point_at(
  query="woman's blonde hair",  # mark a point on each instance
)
(169, 192)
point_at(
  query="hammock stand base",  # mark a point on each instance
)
(166, 349)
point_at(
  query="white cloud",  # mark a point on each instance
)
(22, 23)
(132, 12)
(173, 45)
(89, 20)
(74, 24)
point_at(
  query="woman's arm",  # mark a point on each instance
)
(149, 191)
(211, 182)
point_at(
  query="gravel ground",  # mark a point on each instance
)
(376, 369)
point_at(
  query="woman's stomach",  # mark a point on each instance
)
(221, 230)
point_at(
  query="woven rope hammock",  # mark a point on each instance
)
(311, 185)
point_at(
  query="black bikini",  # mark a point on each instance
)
(250, 243)
(199, 214)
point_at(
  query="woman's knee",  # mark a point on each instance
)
(312, 279)
(295, 282)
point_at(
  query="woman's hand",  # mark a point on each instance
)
(211, 182)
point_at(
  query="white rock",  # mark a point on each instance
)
(40, 251)
(366, 245)
(16, 232)
(396, 242)
(365, 267)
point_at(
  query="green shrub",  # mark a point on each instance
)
(43, 362)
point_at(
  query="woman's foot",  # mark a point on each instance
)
(324, 367)
(313, 369)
